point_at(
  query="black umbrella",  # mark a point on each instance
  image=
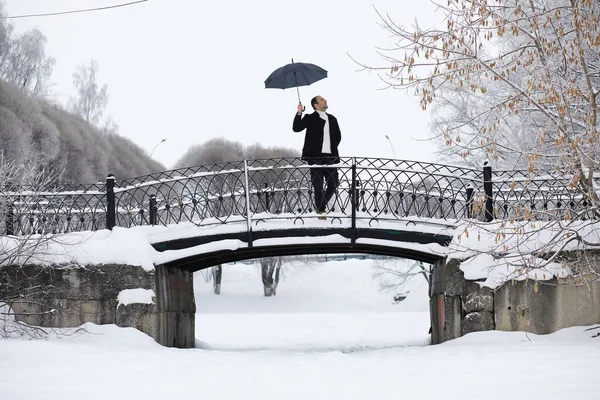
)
(295, 75)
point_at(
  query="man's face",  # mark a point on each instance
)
(321, 104)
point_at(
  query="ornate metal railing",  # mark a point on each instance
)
(259, 190)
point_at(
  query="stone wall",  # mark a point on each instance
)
(552, 305)
(68, 296)
(459, 306)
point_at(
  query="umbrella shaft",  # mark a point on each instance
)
(297, 84)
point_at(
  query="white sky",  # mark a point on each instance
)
(190, 70)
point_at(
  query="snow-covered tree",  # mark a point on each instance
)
(23, 58)
(92, 99)
(510, 61)
(48, 138)
(526, 74)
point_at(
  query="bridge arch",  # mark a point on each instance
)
(202, 261)
(201, 252)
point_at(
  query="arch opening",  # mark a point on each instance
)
(340, 301)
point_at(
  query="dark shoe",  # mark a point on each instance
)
(321, 215)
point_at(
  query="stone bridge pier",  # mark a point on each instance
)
(171, 320)
(74, 295)
(459, 306)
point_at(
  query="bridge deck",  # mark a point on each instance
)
(191, 247)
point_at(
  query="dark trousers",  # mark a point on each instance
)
(321, 176)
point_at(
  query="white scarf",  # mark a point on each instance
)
(326, 137)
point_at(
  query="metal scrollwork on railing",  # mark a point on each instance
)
(27, 210)
(522, 195)
(261, 190)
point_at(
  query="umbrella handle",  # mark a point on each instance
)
(298, 90)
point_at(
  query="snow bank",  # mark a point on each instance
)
(497, 271)
(119, 246)
(135, 296)
(521, 237)
(500, 252)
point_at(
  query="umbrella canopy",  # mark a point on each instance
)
(295, 75)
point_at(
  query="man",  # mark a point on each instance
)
(321, 142)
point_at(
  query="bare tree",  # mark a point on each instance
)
(517, 60)
(23, 59)
(458, 110)
(270, 269)
(394, 274)
(23, 242)
(544, 64)
(213, 151)
(91, 100)
(217, 273)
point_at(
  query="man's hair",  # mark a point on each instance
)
(313, 102)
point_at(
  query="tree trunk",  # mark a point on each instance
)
(270, 274)
(216, 273)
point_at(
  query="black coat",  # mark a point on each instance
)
(313, 139)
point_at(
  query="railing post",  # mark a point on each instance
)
(354, 200)
(469, 201)
(487, 188)
(10, 219)
(110, 202)
(248, 217)
(267, 197)
(152, 211)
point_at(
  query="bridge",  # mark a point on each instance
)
(212, 214)
(258, 208)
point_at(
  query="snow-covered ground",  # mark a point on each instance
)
(333, 306)
(328, 334)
